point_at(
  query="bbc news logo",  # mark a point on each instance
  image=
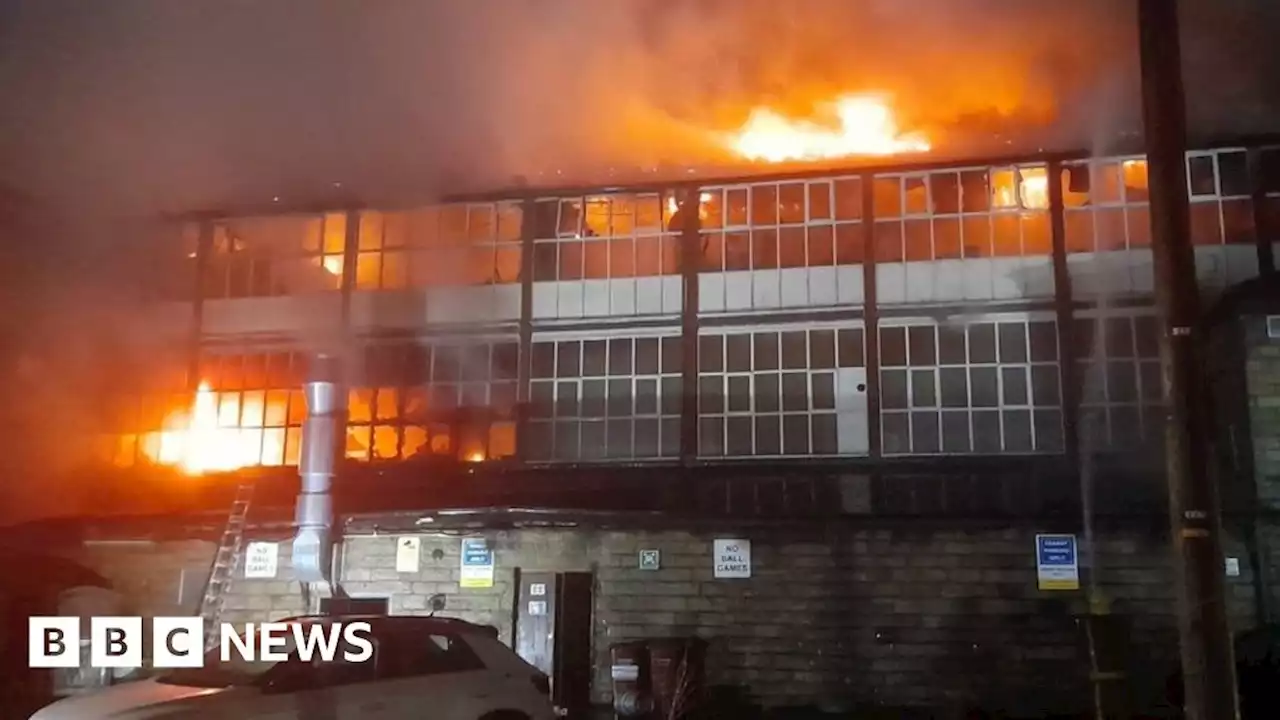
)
(178, 642)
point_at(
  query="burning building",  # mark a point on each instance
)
(878, 356)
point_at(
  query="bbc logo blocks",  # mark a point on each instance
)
(178, 642)
(115, 642)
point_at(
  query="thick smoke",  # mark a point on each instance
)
(195, 103)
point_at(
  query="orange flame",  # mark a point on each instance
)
(196, 441)
(864, 125)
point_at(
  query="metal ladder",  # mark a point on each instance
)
(225, 561)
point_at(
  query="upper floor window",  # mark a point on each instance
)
(764, 226)
(455, 244)
(172, 273)
(283, 255)
(1107, 201)
(606, 237)
(964, 213)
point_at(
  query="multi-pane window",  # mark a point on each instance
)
(1221, 202)
(283, 255)
(606, 236)
(1118, 361)
(764, 226)
(1107, 202)
(616, 398)
(449, 398)
(171, 275)
(247, 411)
(966, 213)
(456, 244)
(981, 387)
(776, 393)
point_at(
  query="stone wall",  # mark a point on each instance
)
(1262, 371)
(167, 578)
(1262, 397)
(943, 617)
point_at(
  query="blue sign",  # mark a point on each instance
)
(477, 564)
(476, 553)
(1057, 564)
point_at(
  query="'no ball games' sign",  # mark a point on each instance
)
(732, 558)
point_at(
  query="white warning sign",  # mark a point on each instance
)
(732, 558)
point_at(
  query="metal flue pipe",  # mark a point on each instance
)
(322, 434)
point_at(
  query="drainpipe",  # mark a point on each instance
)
(322, 432)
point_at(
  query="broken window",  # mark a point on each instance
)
(1269, 169)
(1135, 181)
(975, 191)
(848, 195)
(944, 192)
(916, 194)
(1033, 188)
(887, 197)
(1004, 189)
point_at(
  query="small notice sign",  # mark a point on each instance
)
(1057, 562)
(261, 560)
(477, 564)
(538, 589)
(732, 558)
(650, 559)
(407, 552)
(537, 607)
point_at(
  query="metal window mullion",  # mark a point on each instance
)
(871, 319)
(1263, 246)
(1029, 387)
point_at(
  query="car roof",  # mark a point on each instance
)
(418, 623)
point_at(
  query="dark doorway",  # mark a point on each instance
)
(571, 681)
(553, 633)
(354, 606)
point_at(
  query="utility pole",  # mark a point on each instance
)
(1208, 665)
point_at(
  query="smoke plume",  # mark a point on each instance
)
(152, 104)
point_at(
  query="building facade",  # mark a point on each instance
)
(887, 379)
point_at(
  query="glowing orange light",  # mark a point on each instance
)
(475, 457)
(331, 263)
(1035, 188)
(195, 441)
(863, 125)
(673, 205)
(1027, 188)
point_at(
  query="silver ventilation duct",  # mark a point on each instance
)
(322, 435)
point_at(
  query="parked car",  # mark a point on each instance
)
(421, 666)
